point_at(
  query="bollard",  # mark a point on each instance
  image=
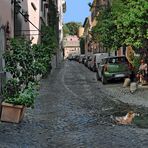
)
(126, 82)
(133, 87)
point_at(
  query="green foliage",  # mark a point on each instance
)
(65, 30)
(53, 19)
(136, 62)
(133, 23)
(11, 89)
(19, 60)
(25, 97)
(127, 26)
(25, 62)
(49, 38)
(42, 56)
(43, 52)
(105, 30)
(71, 28)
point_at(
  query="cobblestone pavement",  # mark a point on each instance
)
(72, 112)
(139, 97)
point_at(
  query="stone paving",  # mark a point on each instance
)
(139, 97)
(69, 113)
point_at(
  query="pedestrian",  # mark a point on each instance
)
(143, 72)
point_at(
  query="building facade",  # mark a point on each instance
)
(6, 31)
(25, 18)
(80, 32)
(71, 46)
(86, 35)
(61, 8)
(90, 45)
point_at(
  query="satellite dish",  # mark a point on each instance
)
(130, 53)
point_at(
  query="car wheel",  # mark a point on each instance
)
(103, 80)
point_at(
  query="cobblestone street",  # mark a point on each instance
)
(73, 111)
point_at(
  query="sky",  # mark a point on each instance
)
(76, 10)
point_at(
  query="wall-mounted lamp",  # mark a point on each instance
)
(17, 8)
(17, 5)
(26, 16)
(14, 1)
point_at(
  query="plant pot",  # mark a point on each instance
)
(12, 113)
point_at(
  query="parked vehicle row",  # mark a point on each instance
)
(106, 67)
(96, 58)
(113, 68)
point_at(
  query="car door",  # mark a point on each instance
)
(101, 67)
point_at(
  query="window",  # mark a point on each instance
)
(117, 60)
(33, 5)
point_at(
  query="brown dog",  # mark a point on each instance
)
(127, 119)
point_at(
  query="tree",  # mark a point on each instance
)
(65, 30)
(133, 23)
(127, 26)
(105, 30)
(71, 28)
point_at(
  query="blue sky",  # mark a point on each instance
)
(76, 10)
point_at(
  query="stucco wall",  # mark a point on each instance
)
(34, 16)
(5, 14)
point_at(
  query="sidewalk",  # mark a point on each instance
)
(139, 97)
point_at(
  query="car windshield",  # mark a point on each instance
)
(117, 60)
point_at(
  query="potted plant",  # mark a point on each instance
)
(24, 62)
(16, 100)
(19, 91)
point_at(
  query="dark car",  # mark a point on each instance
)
(116, 67)
(87, 60)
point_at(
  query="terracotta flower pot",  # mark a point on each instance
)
(12, 113)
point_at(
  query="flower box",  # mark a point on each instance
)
(12, 113)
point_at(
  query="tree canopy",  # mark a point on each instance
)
(71, 28)
(124, 23)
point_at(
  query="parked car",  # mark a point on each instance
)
(76, 58)
(89, 62)
(81, 58)
(96, 58)
(88, 58)
(113, 68)
(70, 57)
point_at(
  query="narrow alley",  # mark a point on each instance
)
(72, 111)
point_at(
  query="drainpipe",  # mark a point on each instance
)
(14, 16)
